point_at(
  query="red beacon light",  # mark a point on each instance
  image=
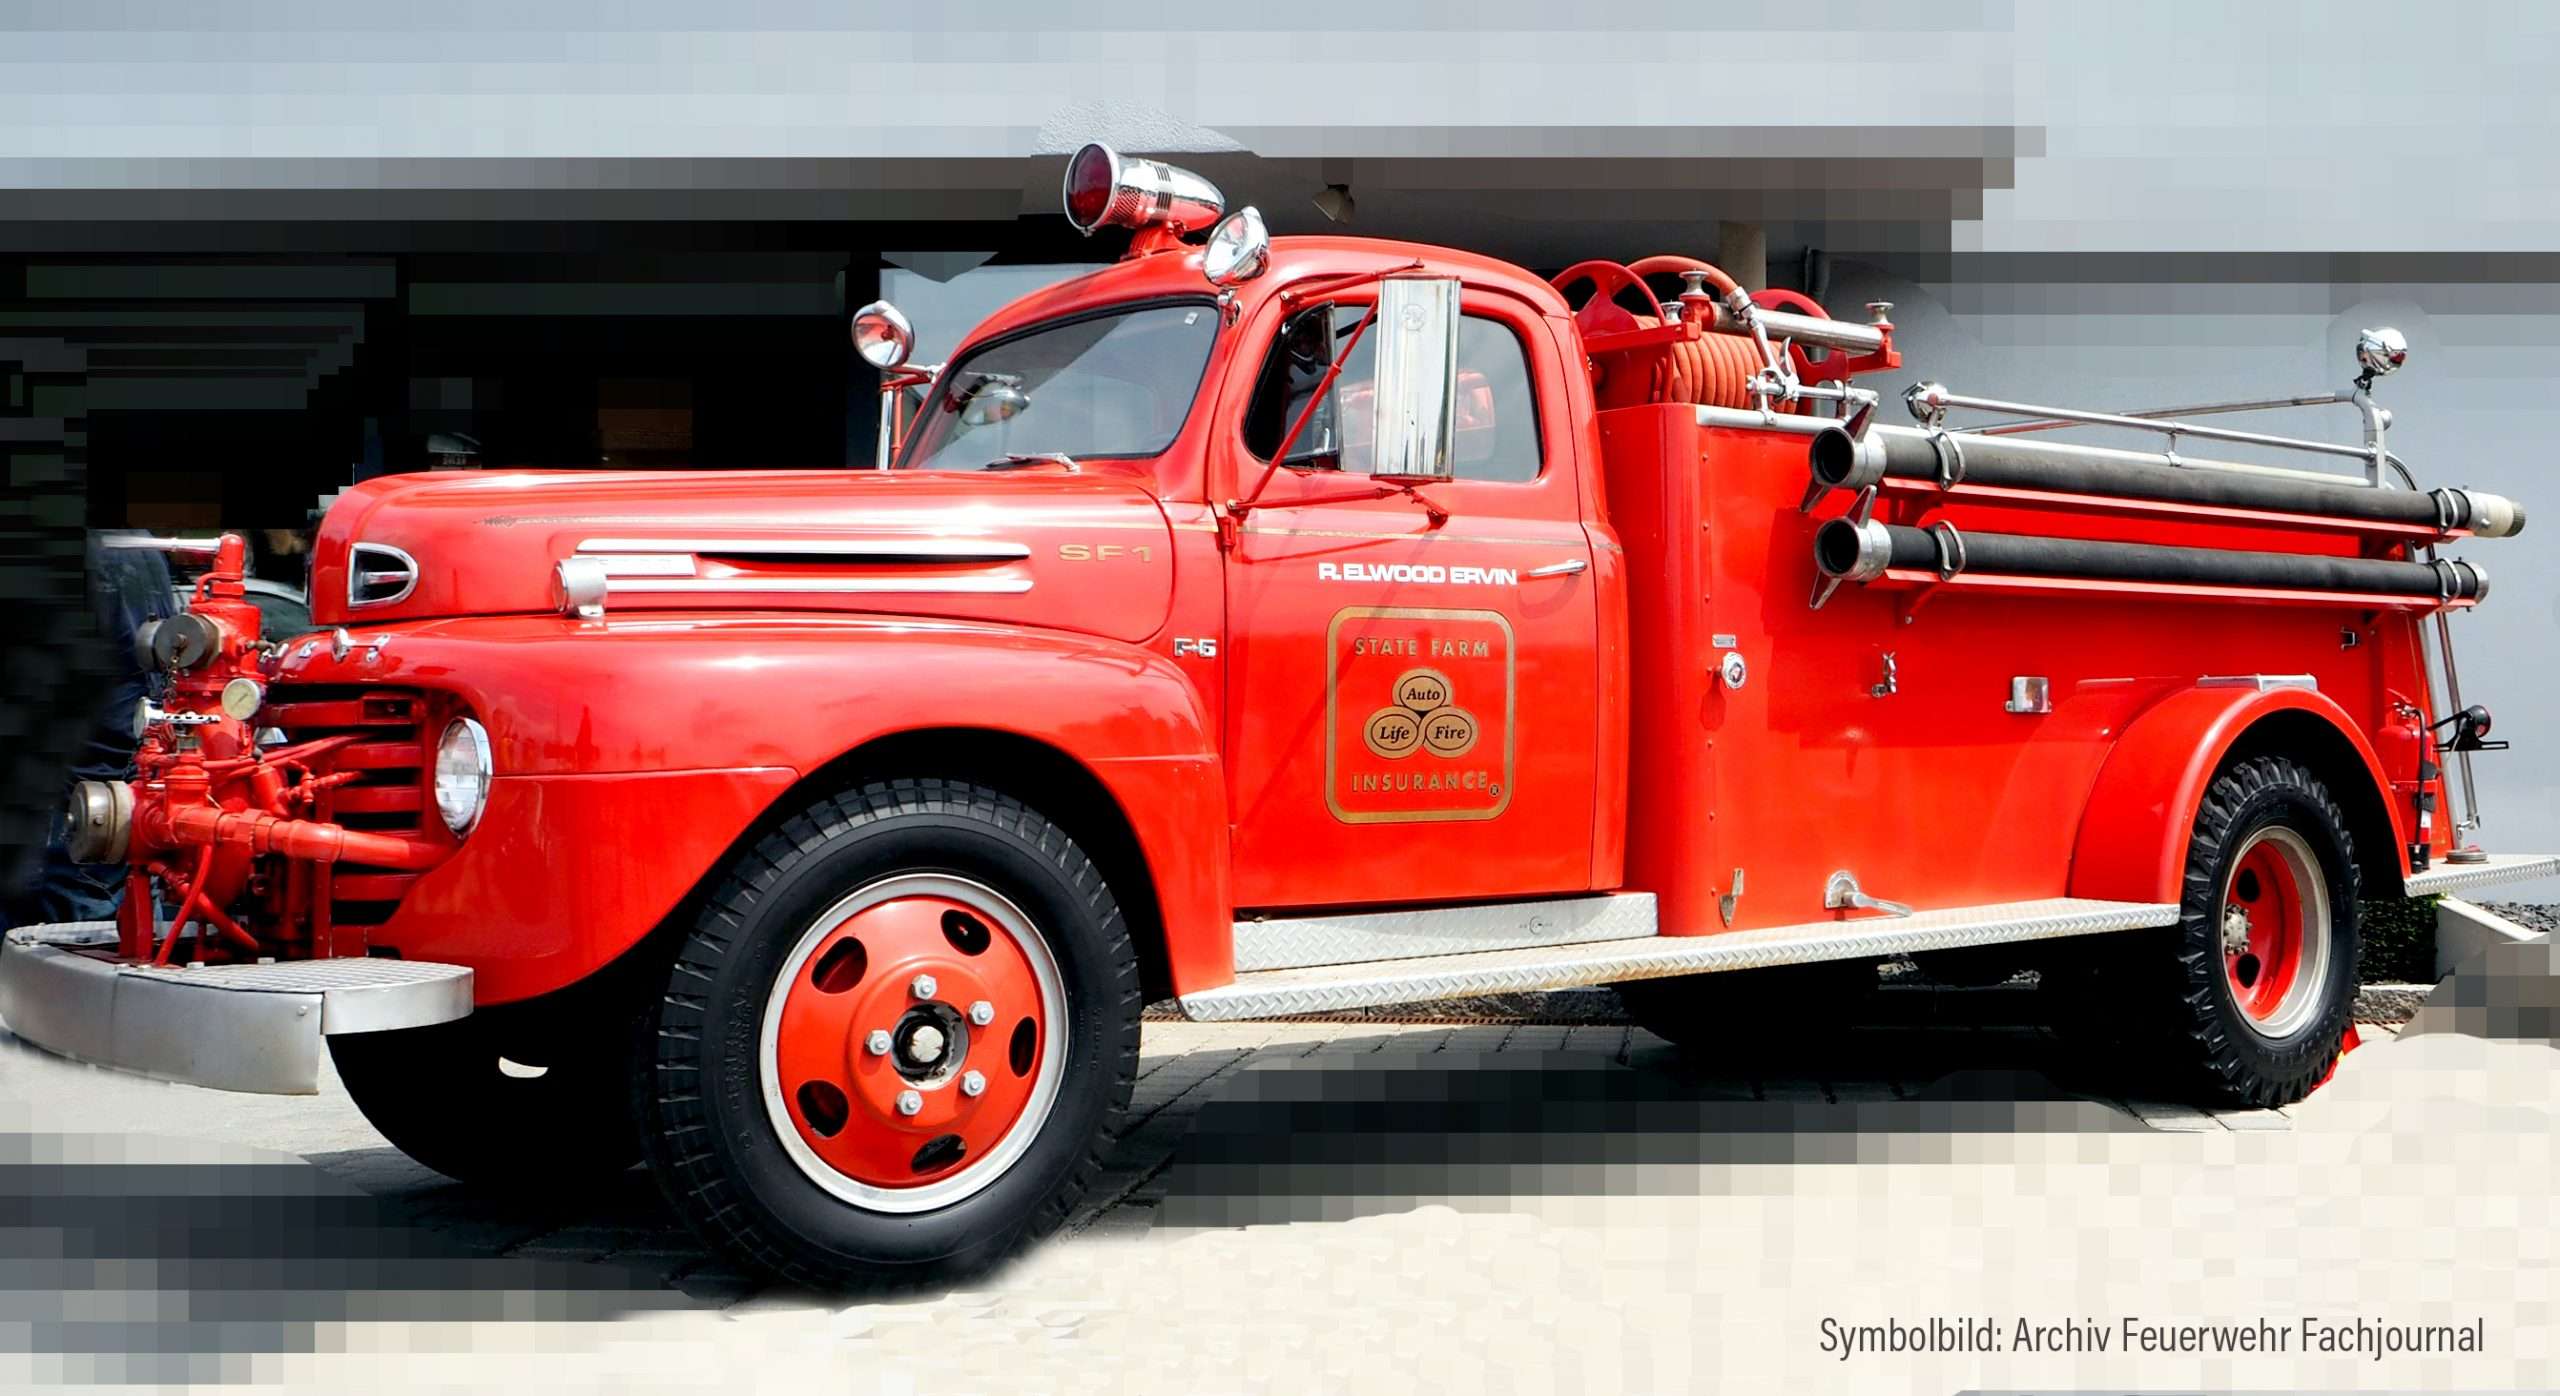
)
(1160, 202)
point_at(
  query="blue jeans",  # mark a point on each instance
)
(128, 586)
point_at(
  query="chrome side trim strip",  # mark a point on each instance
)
(1325, 989)
(2501, 867)
(230, 1027)
(823, 586)
(1296, 942)
(2262, 682)
(642, 564)
(865, 549)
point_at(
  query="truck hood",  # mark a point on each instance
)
(1088, 552)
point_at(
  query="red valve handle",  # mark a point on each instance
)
(1602, 314)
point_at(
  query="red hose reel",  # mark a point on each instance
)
(1645, 355)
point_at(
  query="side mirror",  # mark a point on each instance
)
(882, 336)
(1417, 385)
(995, 398)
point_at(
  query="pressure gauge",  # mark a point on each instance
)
(241, 697)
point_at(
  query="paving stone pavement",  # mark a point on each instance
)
(625, 1230)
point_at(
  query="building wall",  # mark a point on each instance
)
(611, 221)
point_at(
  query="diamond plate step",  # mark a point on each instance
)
(1324, 989)
(2501, 867)
(1358, 937)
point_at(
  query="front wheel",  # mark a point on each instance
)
(898, 1041)
(524, 1095)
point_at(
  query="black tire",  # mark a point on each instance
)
(711, 1143)
(1745, 1011)
(2160, 1005)
(441, 1095)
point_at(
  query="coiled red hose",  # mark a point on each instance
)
(1713, 370)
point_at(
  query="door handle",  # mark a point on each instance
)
(1840, 892)
(1566, 568)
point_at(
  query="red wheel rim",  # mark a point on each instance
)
(913, 1042)
(2275, 931)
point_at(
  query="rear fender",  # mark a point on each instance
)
(2133, 836)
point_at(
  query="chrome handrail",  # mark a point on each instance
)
(2201, 409)
(1930, 401)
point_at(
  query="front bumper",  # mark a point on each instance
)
(255, 1027)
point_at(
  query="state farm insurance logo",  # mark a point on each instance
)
(1423, 717)
(1418, 714)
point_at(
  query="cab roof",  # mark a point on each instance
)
(1175, 272)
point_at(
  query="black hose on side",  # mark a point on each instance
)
(1843, 462)
(1859, 552)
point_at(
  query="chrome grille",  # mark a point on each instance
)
(389, 793)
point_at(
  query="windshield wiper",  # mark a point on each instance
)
(1015, 460)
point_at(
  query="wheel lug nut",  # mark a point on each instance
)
(973, 1083)
(924, 986)
(910, 1103)
(982, 1013)
(877, 1044)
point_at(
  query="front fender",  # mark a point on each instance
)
(2133, 835)
(632, 754)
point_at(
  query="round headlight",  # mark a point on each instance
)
(462, 774)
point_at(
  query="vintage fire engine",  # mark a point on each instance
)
(1268, 626)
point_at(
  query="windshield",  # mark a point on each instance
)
(1095, 387)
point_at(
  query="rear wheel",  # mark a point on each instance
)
(898, 1041)
(2246, 1000)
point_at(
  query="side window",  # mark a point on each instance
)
(1497, 410)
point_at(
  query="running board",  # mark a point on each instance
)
(1326, 989)
(1359, 937)
(2499, 867)
(231, 1027)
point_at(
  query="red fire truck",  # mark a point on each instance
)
(1268, 626)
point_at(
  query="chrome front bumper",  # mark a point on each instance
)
(230, 1027)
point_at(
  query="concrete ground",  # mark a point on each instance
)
(1184, 1066)
(1652, 1220)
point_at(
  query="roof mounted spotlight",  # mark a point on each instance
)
(882, 335)
(1105, 189)
(1239, 248)
(2379, 351)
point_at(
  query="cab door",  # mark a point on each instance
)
(1412, 711)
